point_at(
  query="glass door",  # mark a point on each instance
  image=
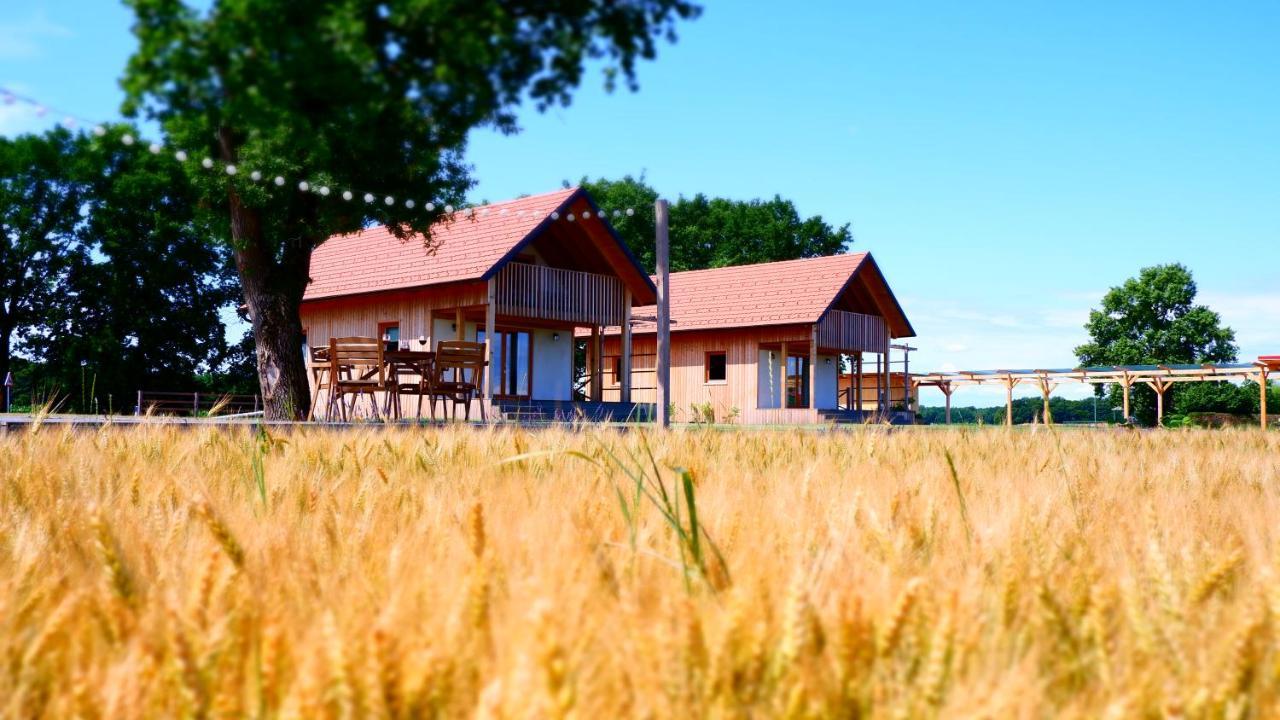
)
(797, 385)
(512, 368)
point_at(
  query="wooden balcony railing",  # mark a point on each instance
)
(852, 332)
(546, 293)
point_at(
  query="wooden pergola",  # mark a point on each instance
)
(1158, 377)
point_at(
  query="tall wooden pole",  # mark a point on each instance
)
(1124, 386)
(490, 323)
(664, 313)
(624, 389)
(1262, 397)
(597, 364)
(946, 390)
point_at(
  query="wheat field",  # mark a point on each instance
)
(503, 573)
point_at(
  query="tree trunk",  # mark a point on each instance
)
(273, 284)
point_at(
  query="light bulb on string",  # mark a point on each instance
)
(206, 163)
(586, 214)
(389, 201)
(346, 195)
(409, 204)
(555, 216)
(180, 156)
(279, 181)
(368, 197)
(255, 176)
(569, 217)
(431, 207)
(324, 190)
(304, 186)
(232, 170)
(630, 212)
(69, 123)
(127, 139)
(448, 209)
(154, 148)
(99, 130)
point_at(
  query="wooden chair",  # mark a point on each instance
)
(356, 369)
(318, 364)
(461, 358)
(410, 377)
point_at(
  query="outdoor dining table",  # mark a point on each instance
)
(415, 362)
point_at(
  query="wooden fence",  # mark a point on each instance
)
(194, 403)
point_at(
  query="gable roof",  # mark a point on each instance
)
(778, 293)
(467, 247)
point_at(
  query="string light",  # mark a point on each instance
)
(155, 148)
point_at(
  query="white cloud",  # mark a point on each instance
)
(23, 39)
(1255, 317)
(20, 118)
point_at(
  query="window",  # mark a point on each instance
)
(389, 332)
(617, 370)
(716, 367)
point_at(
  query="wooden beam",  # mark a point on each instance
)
(1125, 384)
(597, 364)
(662, 251)
(624, 390)
(1046, 387)
(946, 391)
(490, 323)
(1008, 401)
(813, 367)
(1262, 397)
(459, 325)
(430, 333)
(858, 380)
(782, 390)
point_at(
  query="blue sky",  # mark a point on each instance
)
(1006, 163)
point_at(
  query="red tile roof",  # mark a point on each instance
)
(374, 260)
(777, 293)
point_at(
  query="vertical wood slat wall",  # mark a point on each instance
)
(547, 293)
(852, 332)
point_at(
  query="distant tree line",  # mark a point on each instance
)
(108, 283)
(710, 232)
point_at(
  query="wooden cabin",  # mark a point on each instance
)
(767, 343)
(524, 274)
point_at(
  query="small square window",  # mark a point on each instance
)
(716, 367)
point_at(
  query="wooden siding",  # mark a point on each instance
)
(688, 381)
(850, 332)
(361, 315)
(538, 291)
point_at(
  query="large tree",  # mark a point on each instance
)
(39, 211)
(1153, 319)
(370, 96)
(715, 232)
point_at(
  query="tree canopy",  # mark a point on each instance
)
(366, 95)
(118, 288)
(708, 232)
(1153, 319)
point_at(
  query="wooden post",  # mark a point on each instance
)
(459, 326)
(946, 392)
(490, 323)
(137, 410)
(597, 364)
(624, 390)
(782, 390)
(813, 367)
(430, 334)
(906, 378)
(1262, 397)
(195, 404)
(1159, 386)
(858, 380)
(1008, 401)
(662, 250)
(1046, 387)
(887, 380)
(879, 384)
(1125, 384)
